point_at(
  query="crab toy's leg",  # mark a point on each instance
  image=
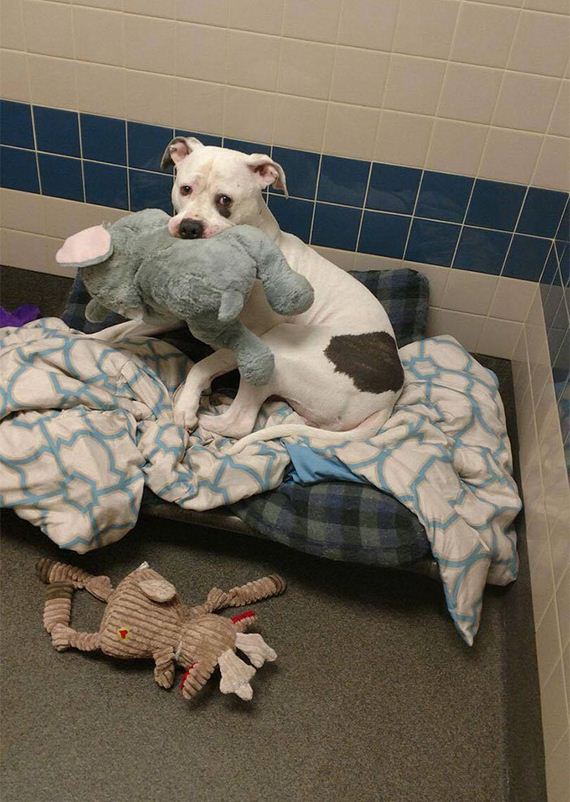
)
(64, 637)
(57, 607)
(257, 590)
(50, 572)
(195, 677)
(164, 668)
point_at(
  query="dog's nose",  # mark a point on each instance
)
(190, 229)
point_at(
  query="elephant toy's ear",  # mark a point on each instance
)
(88, 247)
(158, 590)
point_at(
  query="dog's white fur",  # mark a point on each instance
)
(326, 398)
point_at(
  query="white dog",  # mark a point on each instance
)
(337, 364)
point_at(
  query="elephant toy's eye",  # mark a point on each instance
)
(185, 189)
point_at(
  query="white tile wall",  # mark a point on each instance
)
(547, 513)
(457, 85)
(473, 87)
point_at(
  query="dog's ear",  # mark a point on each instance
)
(267, 171)
(89, 247)
(177, 149)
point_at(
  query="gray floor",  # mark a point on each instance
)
(26, 286)
(373, 697)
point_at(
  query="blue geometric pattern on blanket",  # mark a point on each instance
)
(84, 426)
(445, 455)
(74, 468)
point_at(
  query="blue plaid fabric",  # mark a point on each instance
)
(404, 294)
(336, 520)
(74, 314)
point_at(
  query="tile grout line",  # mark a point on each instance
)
(552, 249)
(225, 84)
(404, 112)
(435, 116)
(79, 131)
(331, 76)
(484, 151)
(531, 180)
(30, 103)
(540, 471)
(377, 129)
(314, 212)
(127, 159)
(412, 216)
(340, 156)
(277, 73)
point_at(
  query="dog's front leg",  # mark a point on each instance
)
(133, 328)
(202, 374)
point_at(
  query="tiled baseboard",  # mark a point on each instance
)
(470, 306)
(364, 207)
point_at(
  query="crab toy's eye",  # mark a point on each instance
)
(185, 189)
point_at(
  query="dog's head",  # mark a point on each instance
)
(216, 188)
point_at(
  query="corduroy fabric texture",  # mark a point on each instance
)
(145, 619)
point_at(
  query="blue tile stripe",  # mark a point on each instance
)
(383, 209)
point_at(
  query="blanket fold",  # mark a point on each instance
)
(85, 426)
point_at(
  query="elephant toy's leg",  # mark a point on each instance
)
(164, 668)
(288, 292)
(200, 377)
(254, 358)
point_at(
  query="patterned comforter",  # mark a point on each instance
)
(85, 426)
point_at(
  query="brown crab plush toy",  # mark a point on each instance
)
(144, 618)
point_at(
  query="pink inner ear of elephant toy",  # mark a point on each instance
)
(88, 245)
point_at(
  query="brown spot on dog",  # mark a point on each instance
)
(371, 360)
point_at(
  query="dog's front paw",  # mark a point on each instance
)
(186, 409)
(185, 417)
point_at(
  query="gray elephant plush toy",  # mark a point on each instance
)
(136, 268)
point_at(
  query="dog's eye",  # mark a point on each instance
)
(185, 189)
(224, 200)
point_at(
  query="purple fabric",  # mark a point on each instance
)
(23, 314)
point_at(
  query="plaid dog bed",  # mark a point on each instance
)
(337, 520)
